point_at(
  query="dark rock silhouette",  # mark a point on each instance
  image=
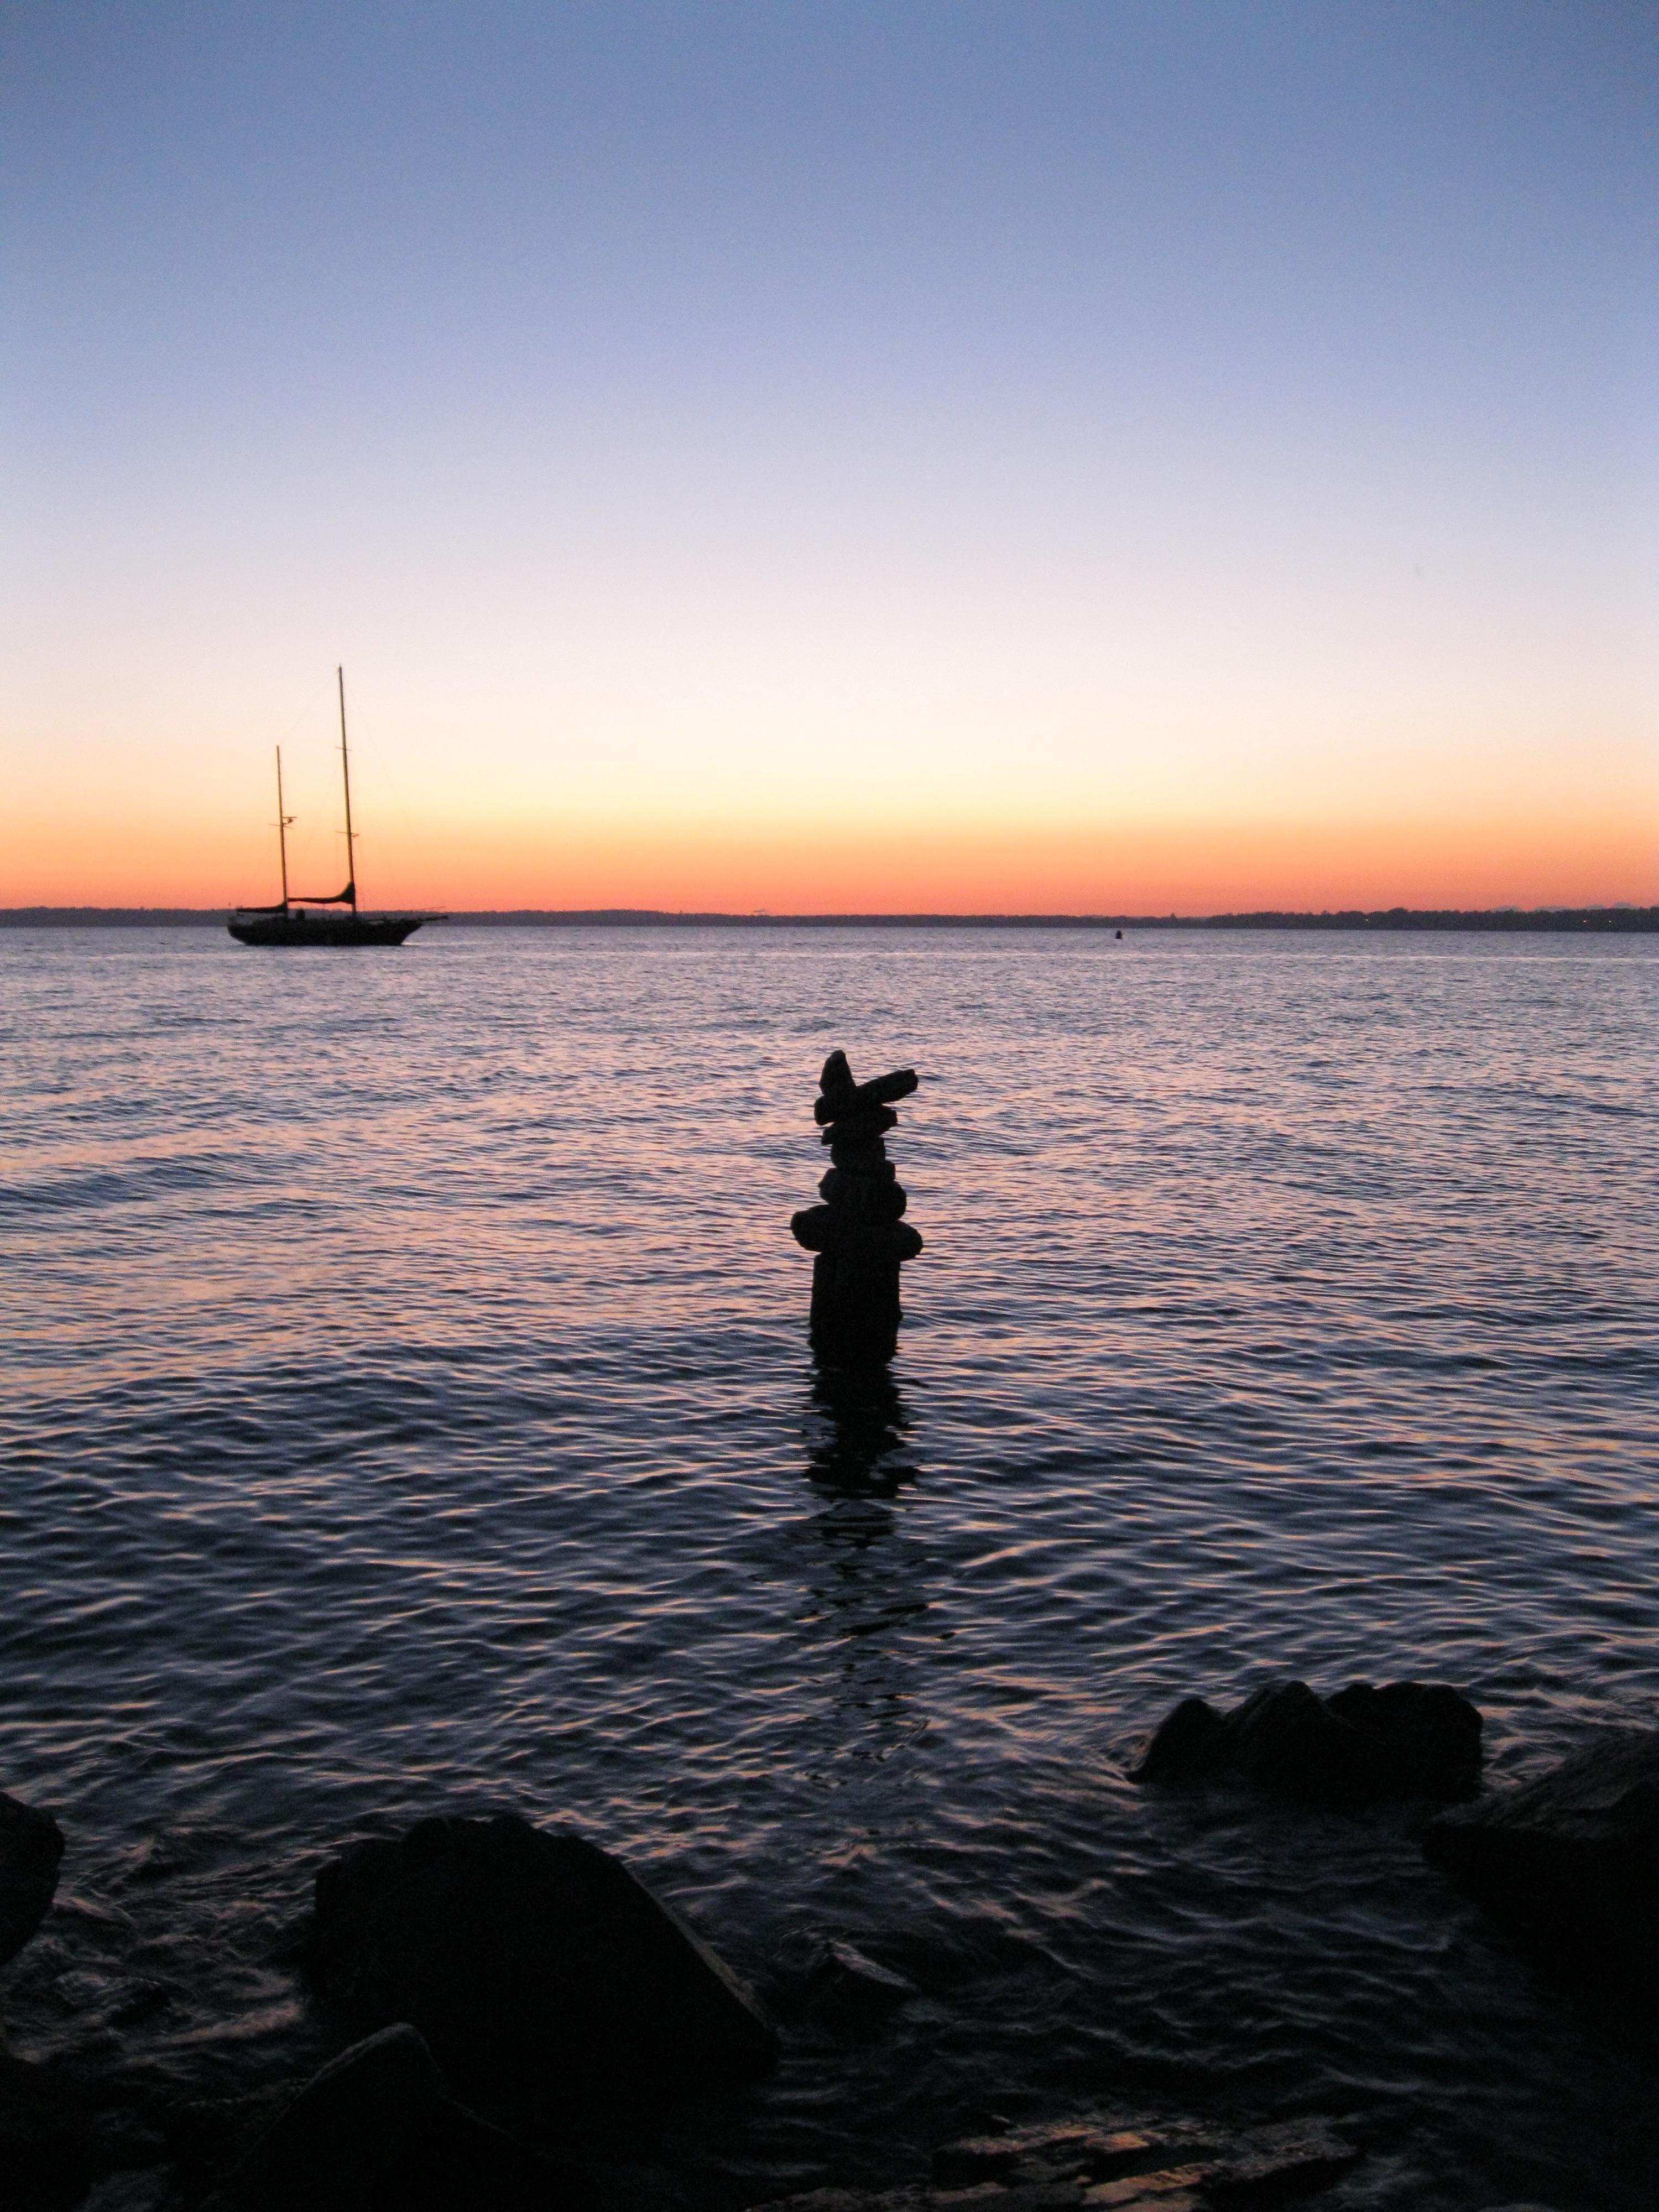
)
(526, 1958)
(46, 2137)
(858, 1235)
(31, 1846)
(1113, 2165)
(378, 2126)
(1571, 1860)
(1406, 1740)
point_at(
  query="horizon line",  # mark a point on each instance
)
(1622, 917)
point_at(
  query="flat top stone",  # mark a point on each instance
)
(838, 1098)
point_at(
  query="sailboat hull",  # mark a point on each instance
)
(303, 929)
(330, 918)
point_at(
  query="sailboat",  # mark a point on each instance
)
(290, 920)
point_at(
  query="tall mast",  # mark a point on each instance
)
(282, 821)
(345, 777)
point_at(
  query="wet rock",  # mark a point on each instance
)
(1192, 1744)
(1077, 2150)
(31, 1847)
(853, 1992)
(1571, 1860)
(1115, 2164)
(150, 2191)
(1406, 1740)
(202, 2135)
(530, 1957)
(1426, 1736)
(378, 2126)
(1265, 2165)
(47, 2138)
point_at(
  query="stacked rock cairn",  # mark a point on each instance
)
(857, 1233)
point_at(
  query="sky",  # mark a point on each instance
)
(942, 455)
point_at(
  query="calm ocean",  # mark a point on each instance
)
(407, 1404)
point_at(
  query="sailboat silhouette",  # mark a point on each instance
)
(289, 921)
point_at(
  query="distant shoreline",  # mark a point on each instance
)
(1624, 921)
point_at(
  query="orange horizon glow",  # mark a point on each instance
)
(789, 868)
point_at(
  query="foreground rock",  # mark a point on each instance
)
(31, 1846)
(1119, 2166)
(46, 2134)
(1571, 1860)
(858, 1235)
(529, 1959)
(378, 2126)
(1406, 1740)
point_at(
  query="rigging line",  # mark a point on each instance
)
(317, 702)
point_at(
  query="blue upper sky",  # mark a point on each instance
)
(1049, 401)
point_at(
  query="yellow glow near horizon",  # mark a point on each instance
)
(789, 867)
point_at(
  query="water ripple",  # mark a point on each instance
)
(407, 1404)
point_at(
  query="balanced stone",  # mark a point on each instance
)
(859, 1126)
(867, 1198)
(860, 1156)
(857, 1233)
(854, 1097)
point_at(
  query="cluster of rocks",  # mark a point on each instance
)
(858, 1233)
(1406, 1740)
(476, 1969)
(479, 1969)
(1569, 1862)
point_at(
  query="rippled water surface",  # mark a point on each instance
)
(407, 1404)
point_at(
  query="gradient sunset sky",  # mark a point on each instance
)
(922, 456)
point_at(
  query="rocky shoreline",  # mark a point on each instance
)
(472, 1985)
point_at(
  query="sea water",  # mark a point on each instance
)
(408, 1408)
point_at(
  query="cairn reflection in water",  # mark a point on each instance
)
(857, 1432)
(868, 1584)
